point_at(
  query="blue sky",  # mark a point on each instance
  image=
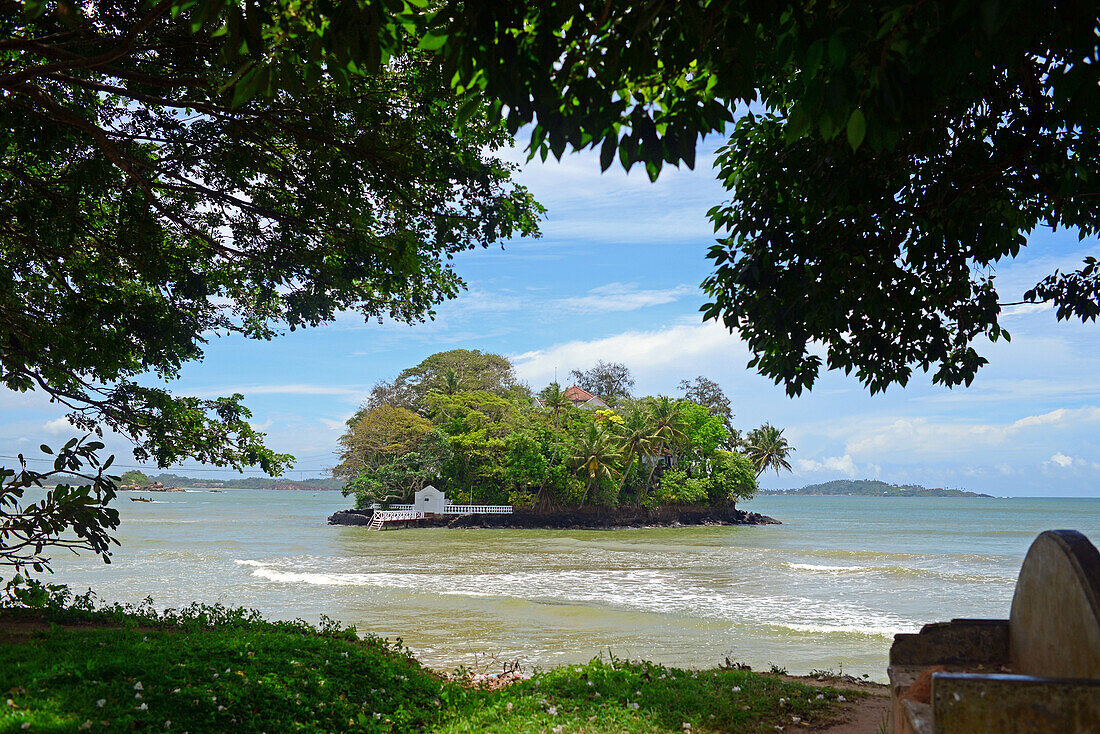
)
(616, 277)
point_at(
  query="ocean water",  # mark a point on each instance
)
(827, 589)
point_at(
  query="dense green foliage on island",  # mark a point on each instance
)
(871, 488)
(212, 669)
(462, 422)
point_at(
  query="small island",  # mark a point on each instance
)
(590, 455)
(870, 488)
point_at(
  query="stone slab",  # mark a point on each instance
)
(1054, 627)
(964, 703)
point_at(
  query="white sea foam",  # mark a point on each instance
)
(865, 630)
(828, 569)
(646, 591)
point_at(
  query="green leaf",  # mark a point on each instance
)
(466, 110)
(798, 124)
(607, 151)
(837, 51)
(432, 42)
(34, 8)
(857, 129)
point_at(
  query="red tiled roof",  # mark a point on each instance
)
(577, 394)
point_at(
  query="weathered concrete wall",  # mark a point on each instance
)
(1054, 629)
(960, 641)
(1011, 704)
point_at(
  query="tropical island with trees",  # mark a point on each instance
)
(461, 421)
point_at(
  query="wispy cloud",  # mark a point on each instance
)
(910, 438)
(624, 297)
(293, 389)
(838, 464)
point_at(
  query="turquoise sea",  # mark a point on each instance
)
(827, 589)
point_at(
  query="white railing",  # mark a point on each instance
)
(397, 515)
(477, 510)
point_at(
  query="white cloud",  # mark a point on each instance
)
(1023, 309)
(295, 389)
(1062, 460)
(1065, 462)
(842, 464)
(58, 426)
(644, 352)
(921, 437)
(624, 297)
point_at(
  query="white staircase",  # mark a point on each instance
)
(380, 517)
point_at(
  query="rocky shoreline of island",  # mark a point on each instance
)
(596, 518)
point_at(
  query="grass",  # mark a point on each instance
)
(210, 669)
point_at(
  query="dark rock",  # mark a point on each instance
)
(350, 517)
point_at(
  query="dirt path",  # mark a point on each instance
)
(863, 714)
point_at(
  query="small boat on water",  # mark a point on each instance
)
(140, 499)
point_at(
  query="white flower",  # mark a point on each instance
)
(142, 707)
(796, 719)
(508, 707)
(632, 706)
(26, 725)
(820, 697)
(221, 708)
(553, 710)
(175, 690)
(590, 684)
(686, 726)
(216, 675)
(227, 669)
(86, 725)
(841, 699)
(782, 702)
(377, 715)
(557, 729)
(101, 702)
(737, 689)
(138, 686)
(137, 695)
(167, 724)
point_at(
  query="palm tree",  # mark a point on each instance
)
(636, 437)
(451, 383)
(554, 399)
(667, 428)
(596, 457)
(767, 449)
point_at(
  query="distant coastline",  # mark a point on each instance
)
(175, 483)
(869, 488)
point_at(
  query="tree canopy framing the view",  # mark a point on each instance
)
(150, 203)
(892, 157)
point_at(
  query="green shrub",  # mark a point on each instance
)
(732, 478)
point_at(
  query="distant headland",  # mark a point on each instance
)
(870, 488)
(135, 480)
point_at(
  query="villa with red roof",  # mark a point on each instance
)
(580, 398)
